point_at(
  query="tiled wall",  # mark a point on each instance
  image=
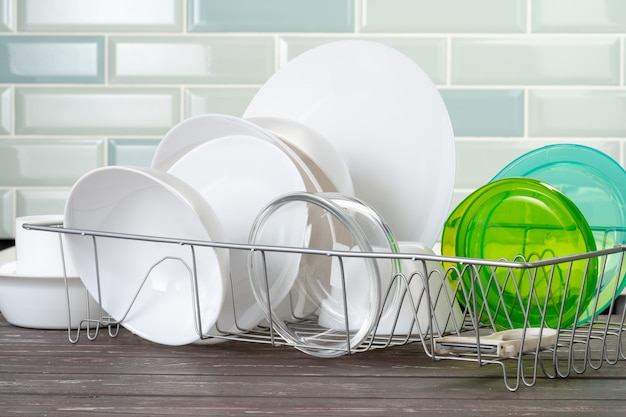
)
(87, 83)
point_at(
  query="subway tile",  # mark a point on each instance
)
(478, 160)
(577, 113)
(96, 110)
(578, 16)
(6, 16)
(443, 16)
(7, 217)
(429, 53)
(47, 162)
(222, 100)
(485, 112)
(193, 59)
(132, 152)
(33, 202)
(535, 60)
(51, 59)
(100, 15)
(271, 16)
(6, 110)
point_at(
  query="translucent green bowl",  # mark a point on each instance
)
(519, 219)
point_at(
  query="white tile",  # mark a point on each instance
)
(115, 111)
(479, 160)
(195, 59)
(100, 15)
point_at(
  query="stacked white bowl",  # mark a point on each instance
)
(39, 287)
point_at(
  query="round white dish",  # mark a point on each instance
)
(386, 119)
(144, 201)
(316, 152)
(238, 175)
(41, 302)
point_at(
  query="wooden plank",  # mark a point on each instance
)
(41, 373)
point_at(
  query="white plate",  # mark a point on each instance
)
(144, 201)
(41, 302)
(238, 175)
(316, 152)
(196, 130)
(386, 119)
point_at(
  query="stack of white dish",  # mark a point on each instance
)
(39, 287)
(353, 118)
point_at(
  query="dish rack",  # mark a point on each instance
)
(466, 331)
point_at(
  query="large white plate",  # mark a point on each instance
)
(238, 175)
(144, 201)
(386, 119)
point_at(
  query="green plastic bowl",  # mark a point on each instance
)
(521, 219)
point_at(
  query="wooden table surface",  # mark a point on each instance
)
(41, 373)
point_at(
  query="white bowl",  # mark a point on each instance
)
(386, 119)
(41, 302)
(40, 253)
(316, 151)
(144, 201)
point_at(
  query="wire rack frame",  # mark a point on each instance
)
(577, 347)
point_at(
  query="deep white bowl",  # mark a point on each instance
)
(148, 286)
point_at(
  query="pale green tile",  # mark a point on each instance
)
(222, 100)
(535, 60)
(572, 16)
(33, 202)
(193, 59)
(132, 152)
(429, 53)
(7, 217)
(479, 160)
(577, 113)
(51, 59)
(100, 15)
(6, 16)
(6, 110)
(96, 111)
(271, 16)
(443, 16)
(485, 112)
(47, 162)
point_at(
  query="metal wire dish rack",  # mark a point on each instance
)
(528, 316)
